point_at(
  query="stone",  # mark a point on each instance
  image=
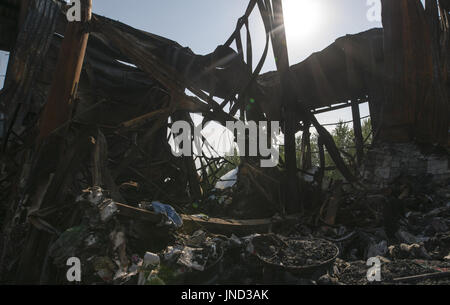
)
(439, 225)
(406, 237)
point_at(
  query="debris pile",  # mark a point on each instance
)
(291, 252)
(405, 224)
(406, 228)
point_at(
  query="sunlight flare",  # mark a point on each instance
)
(302, 19)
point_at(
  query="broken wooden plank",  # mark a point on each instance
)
(214, 225)
(427, 276)
(136, 122)
(359, 141)
(237, 227)
(306, 148)
(137, 213)
(289, 99)
(58, 109)
(25, 60)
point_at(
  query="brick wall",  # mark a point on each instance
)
(388, 161)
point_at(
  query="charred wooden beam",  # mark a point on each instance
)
(359, 140)
(25, 60)
(63, 92)
(306, 148)
(214, 225)
(341, 72)
(416, 106)
(189, 162)
(336, 107)
(32, 259)
(288, 103)
(56, 113)
(322, 165)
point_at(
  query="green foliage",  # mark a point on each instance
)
(343, 136)
(367, 131)
(221, 169)
(167, 274)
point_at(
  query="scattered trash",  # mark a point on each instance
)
(167, 211)
(228, 180)
(192, 258)
(108, 211)
(151, 259)
(172, 252)
(104, 267)
(293, 252)
(300, 254)
(404, 251)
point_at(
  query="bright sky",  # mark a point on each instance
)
(202, 25)
(3, 65)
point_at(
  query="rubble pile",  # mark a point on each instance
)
(406, 228)
(405, 224)
(90, 171)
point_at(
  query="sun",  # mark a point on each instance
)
(301, 19)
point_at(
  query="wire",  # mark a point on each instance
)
(334, 124)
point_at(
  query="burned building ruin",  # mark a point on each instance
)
(87, 109)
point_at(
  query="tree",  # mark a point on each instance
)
(222, 167)
(343, 136)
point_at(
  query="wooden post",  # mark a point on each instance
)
(189, 162)
(416, 106)
(306, 148)
(359, 141)
(289, 99)
(64, 87)
(376, 90)
(24, 4)
(57, 112)
(322, 165)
